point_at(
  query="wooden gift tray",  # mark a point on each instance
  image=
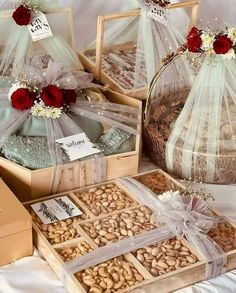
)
(32, 184)
(56, 253)
(93, 59)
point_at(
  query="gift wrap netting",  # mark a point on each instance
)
(31, 141)
(18, 46)
(134, 45)
(191, 131)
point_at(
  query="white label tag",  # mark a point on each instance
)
(77, 146)
(159, 14)
(57, 209)
(39, 28)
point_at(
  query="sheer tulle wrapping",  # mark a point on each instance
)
(144, 40)
(189, 217)
(155, 40)
(202, 140)
(123, 117)
(18, 43)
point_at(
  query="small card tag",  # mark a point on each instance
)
(57, 209)
(39, 28)
(77, 146)
(159, 14)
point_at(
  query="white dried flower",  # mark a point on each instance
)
(56, 113)
(40, 110)
(169, 196)
(230, 55)
(232, 34)
(37, 110)
(207, 41)
(15, 87)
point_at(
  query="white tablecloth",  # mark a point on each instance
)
(33, 275)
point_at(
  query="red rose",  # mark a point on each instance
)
(22, 99)
(22, 15)
(222, 44)
(194, 40)
(52, 96)
(69, 96)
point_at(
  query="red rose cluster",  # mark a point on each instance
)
(221, 45)
(52, 96)
(22, 15)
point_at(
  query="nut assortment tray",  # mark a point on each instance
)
(111, 214)
(120, 65)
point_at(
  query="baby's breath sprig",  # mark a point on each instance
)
(26, 3)
(196, 192)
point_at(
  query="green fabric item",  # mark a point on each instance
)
(116, 141)
(92, 128)
(29, 152)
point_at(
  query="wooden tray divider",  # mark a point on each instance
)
(140, 268)
(82, 205)
(104, 216)
(69, 243)
(85, 235)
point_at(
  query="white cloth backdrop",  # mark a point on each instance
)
(32, 274)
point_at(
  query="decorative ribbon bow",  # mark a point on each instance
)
(17, 42)
(189, 217)
(50, 85)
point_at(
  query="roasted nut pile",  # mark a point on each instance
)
(224, 235)
(111, 276)
(119, 226)
(157, 182)
(165, 257)
(106, 199)
(60, 231)
(72, 252)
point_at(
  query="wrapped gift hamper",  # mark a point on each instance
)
(190, 126)
(33, 28)
(122, 237)
(57, 133)
(128, 53)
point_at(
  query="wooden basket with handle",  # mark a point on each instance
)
(96, 67)
(154, 144)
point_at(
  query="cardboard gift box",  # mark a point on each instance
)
(31, 184)
(15, 228)
(101, 212)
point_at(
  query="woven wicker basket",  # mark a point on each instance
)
(155, 139)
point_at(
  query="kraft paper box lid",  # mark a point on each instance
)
(13, 216)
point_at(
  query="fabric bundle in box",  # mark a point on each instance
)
(47, 104)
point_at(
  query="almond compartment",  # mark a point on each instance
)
(159, 182)
(166, 257)
(105, 199)
(118, 226)
(225, 236)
